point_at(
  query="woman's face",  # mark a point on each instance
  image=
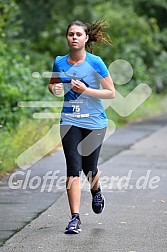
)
(76, 37)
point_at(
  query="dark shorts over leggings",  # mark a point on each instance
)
(81, 148)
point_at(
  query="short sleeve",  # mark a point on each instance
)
(101, 68)
(55, 70)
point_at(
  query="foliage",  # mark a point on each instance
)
(17, 83)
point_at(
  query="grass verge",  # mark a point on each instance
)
(31, 140)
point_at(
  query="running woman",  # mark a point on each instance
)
(85, 81)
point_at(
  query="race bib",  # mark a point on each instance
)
(76, 108)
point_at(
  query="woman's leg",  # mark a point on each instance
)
(71, 137)
(94, 183)
(74, 193)
(91, 147)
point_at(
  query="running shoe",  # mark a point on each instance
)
(74, 226)
(98, 202)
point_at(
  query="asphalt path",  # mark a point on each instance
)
(133, 165)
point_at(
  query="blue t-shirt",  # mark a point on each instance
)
(79, 109)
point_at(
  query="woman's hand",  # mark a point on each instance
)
(57, 88)
(78, 86)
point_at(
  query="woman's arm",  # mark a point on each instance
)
(108, 91)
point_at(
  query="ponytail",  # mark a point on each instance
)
(97, 35)
(95, 32)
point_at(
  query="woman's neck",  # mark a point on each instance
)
(76, 57)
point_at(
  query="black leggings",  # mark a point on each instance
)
(81, 148)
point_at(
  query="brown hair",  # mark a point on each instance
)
(95, 32)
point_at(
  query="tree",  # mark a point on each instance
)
(16, 70)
